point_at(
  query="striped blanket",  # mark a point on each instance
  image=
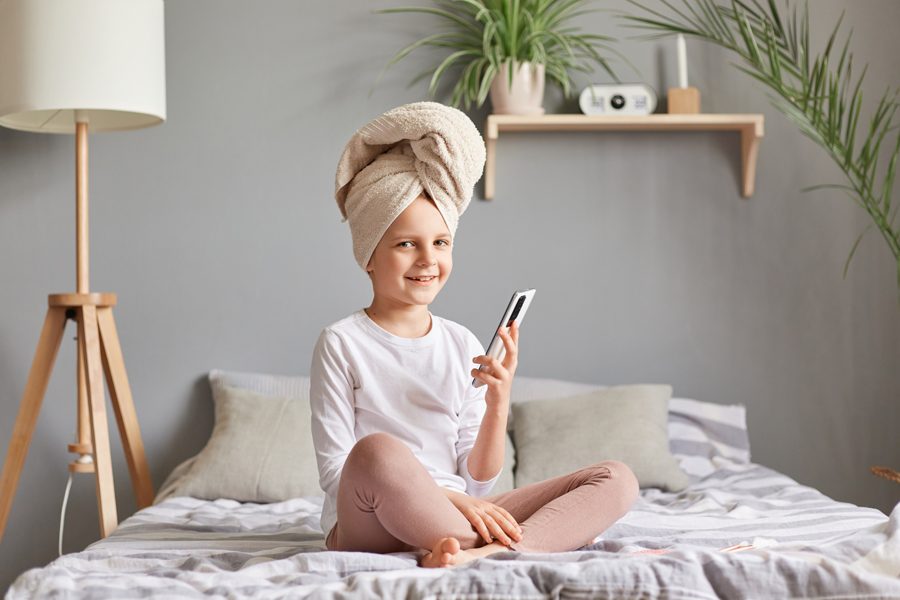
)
(740, 531)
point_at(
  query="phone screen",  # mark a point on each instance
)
(515, 312)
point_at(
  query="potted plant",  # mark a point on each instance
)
(516, 42)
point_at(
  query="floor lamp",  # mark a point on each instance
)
(69, 66)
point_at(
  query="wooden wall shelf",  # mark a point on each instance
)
(749, 126)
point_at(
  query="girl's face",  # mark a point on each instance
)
(414, 258)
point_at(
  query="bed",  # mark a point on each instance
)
(736, 530)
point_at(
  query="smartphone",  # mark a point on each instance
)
(515, 312)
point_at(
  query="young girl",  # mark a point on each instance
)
(407, 448)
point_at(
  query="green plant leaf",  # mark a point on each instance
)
(445, 64)
(853, 250)
(462, 22)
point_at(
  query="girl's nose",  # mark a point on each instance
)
(427, 257)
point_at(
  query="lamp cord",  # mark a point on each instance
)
(84, 459)
(62, 515)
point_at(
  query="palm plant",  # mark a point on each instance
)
(818, 93)
(481, 35)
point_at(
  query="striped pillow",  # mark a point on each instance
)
(702, 432)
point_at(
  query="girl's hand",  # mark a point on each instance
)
(492, 522)
(498, 375)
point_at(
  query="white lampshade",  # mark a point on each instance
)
(103, 58)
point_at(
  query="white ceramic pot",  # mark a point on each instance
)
(526, 96)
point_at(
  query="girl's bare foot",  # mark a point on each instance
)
(447, 553)
(444, 554)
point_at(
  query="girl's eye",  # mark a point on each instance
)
(440, 242)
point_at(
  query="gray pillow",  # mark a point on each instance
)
(627, 423)
(260, 450)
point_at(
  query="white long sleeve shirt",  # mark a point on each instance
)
(366, 380)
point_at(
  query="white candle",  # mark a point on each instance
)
(682, 62)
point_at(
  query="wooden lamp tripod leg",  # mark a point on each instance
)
(123, 405)
(38, 377)
(89, 338)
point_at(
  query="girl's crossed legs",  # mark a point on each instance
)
(387, 502)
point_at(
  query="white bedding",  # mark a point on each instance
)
(743, 531)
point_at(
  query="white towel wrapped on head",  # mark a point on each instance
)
(424, 147)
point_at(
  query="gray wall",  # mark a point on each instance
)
(219, 233)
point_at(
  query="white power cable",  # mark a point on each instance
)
(84, 459)
(62, 516)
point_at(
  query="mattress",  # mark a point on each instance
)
(741, 531)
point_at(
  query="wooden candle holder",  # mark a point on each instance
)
(684, 101)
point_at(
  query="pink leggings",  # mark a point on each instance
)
(387, 502)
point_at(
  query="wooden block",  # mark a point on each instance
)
(684, 101)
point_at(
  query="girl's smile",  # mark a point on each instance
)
(423, 280)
